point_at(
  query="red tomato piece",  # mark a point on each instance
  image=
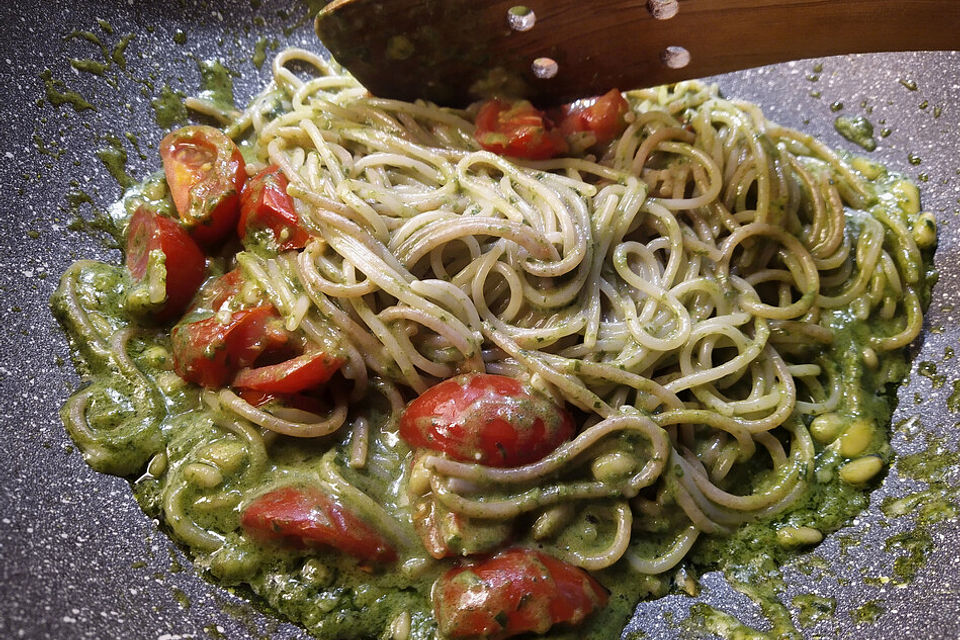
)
(308, 517)
(602, 115)
(518, 129)
(295, 400)
(183, 262)
(209, 352)
(516, 591)
(291, 376)
(264, 204)
(205, 173)
(222, 289)
(488, 419)
(257, 398)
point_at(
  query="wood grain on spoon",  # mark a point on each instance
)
(455, 51)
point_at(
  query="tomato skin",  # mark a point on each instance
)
(291, 376)
(602, 115)
(516, 128)
(516, 591)
(487, 419)
(205, 172)
(256, 398)
(294, 401)
(183, 260)
(264, 203)
(209, 352)
(216, 293)
(308, 517)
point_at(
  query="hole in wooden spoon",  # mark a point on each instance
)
(521, 18)
(663, 9)
(675, 57)
(545, 68)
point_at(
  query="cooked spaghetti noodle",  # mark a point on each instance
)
(702, 292)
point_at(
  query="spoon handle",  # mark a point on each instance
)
(450, 51)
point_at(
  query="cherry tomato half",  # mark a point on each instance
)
(183, 261)
(205, 173)
(602, 115)
(264, 204)
(518, 129)
(209, 352)
(488, 419)
(291, 376)
(515, 591)
(308, 517)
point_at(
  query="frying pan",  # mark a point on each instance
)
(78, 559)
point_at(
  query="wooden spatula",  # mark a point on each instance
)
(456, 51)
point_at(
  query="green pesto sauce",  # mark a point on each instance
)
(118, 54)
(47, 149)
(856, 129)
(182, 599)
(928, 370)
(925, 464)
(168, 108)
(706, 618)
(58, 95)
(89, 66)
(135, 143)
(217, 83)
(90, 37)
(260, 52)
(98, 222)
(869, 612)
(76, 197)
(114, 56)
(114, 158)
(915, 546)
(953, 402)
(812, 608)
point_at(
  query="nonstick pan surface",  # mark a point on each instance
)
(78, 559)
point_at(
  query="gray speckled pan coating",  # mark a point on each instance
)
(78, 559)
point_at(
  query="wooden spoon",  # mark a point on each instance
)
(455, 51)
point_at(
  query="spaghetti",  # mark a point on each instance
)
(707, 291)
